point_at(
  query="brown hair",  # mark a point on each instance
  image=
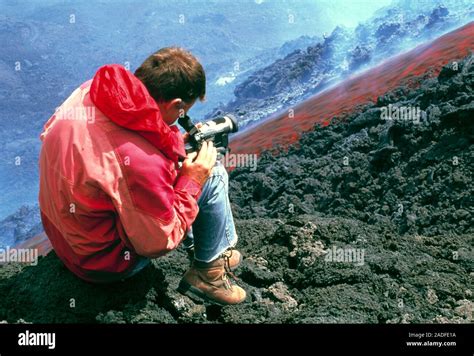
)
(172, 73)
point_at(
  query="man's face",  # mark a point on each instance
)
(171, 110)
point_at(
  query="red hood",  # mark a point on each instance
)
(124, 99)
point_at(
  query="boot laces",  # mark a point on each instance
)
(228, 270)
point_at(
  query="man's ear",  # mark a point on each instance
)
(177, 104)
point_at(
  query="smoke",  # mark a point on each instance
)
(351, 13)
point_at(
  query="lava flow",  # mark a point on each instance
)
(283, 129)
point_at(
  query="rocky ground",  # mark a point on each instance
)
(390, 201)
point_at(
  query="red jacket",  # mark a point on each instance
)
(109, 185)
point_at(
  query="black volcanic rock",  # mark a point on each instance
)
(294, 69)
(416, 174)
(359, 56)
(437, 15)
(388, 31)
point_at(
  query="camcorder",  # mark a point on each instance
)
(216, 130)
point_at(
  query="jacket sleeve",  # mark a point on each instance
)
(155, 209)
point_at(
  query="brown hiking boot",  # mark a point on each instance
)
(210, 282)
(234, 256)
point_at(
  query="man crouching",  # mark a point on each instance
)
(117, 189)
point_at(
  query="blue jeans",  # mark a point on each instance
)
(213, 231)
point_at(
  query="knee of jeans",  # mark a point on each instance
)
(219, 170)
(216, 185)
